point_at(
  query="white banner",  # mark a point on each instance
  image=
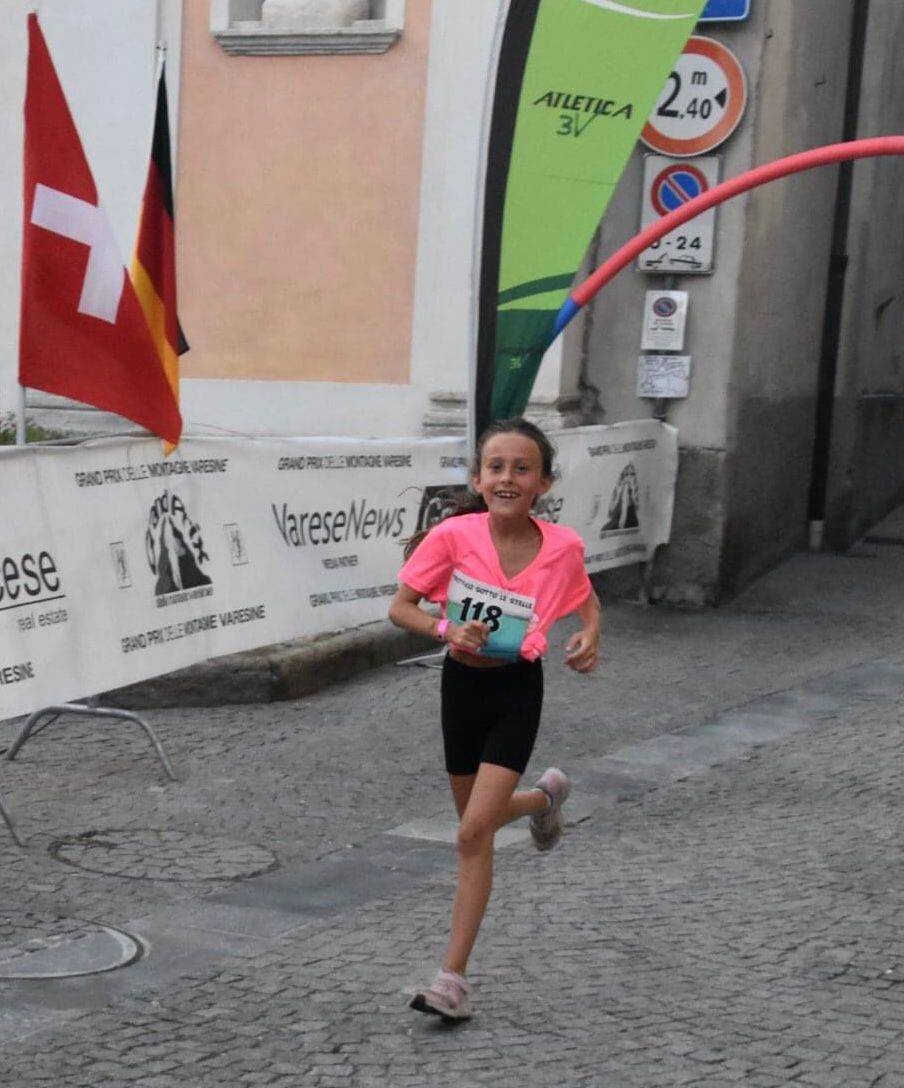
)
(616, 487)
(118, 565)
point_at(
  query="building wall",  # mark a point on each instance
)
(298, 208)
(325, 217)
(325, 210)
(298, 214)
(866, 469)
(330, 291)
(755, 325)
(689, 569)
(781, 290)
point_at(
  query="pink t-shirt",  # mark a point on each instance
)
(456, 566)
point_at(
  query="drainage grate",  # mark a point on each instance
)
(46, 946)
(174, 856)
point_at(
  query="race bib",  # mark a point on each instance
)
(506, 614)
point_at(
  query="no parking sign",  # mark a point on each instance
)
(676, 184)
(667, 184)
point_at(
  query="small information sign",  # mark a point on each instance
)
(665, 314)
(664, 377)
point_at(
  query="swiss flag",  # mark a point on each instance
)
(83, 333)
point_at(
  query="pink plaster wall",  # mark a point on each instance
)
(297, 206)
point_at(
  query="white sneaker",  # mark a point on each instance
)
(448, 997)
(546, 827)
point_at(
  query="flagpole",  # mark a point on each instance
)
(159, 27)
(21, 437)
(160, 41)
(21, 428)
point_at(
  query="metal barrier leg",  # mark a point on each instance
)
(8, 820)
(25, 732)
(90, 712)
(433, 660)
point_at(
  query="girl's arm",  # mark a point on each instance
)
(404, 612)
(582, 649)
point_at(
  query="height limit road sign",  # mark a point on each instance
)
(702, 102)
(667, 184)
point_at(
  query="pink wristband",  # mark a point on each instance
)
(441, 629)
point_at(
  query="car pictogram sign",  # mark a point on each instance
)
(702, 102)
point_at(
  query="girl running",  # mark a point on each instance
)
(502, 578)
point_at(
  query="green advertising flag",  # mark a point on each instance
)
(575, 83)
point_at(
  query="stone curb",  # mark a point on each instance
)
(285, 670)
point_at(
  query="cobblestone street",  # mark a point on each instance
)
(724, 909)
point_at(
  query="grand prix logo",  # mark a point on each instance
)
(175, 551)
(438, 502)
(548, 507)
(441, 500)
(623, 514)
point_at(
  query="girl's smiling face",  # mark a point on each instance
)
(511, 474)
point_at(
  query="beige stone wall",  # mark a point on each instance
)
(297, 207)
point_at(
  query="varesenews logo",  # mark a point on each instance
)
(29, 578)
(358, 521)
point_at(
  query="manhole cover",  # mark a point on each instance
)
(148, 854)
(42, 946)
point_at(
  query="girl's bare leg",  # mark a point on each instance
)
(485, 801)
(521, 803)
(461, 784)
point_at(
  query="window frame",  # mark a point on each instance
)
(239, 33)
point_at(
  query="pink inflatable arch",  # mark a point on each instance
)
(750, 179)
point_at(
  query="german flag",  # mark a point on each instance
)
(153, 268)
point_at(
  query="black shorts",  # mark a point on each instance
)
(490, 715)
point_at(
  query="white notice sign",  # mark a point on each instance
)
(663, 376)
(665, 315)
